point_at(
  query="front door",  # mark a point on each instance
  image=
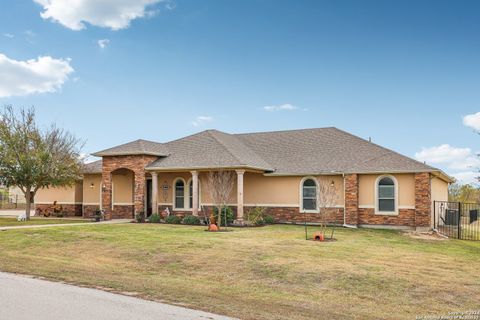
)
(149, 198)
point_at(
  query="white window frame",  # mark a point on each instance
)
(302, 210)
(185, 195)
(395, 187)
(199, 194)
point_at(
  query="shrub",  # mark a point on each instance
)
(154, 218)
(268, 219)
(59, 214)
(193, 220)
(255, 215)
(173, 220)
(140, 217)
(225, 210)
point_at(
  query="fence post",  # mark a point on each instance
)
(434, 214)
(459, 220)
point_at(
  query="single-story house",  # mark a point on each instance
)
(279, 170)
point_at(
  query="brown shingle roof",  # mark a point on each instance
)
(210, 149)
(293, 152)
(135, 147)
(92, 167)
(326, 150)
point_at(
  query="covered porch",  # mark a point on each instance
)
(187, 192)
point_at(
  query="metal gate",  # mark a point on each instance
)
(457, 220)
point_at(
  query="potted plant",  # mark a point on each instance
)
(98, 216)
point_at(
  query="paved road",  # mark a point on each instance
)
(24, 298)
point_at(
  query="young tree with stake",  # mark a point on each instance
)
(220, 185)
(31, 158)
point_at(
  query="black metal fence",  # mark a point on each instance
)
(457, 220)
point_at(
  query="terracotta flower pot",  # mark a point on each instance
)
(213, 227)
(318, 236)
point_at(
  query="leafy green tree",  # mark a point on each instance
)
(31, 158)
(463, 193)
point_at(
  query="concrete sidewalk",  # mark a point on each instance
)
(25, 298)
(36, 226)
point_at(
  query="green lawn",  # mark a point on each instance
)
(9, 221)
(258, 273)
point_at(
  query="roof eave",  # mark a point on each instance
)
(113, 154)
(206, 168)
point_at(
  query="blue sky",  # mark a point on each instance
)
(405, 73)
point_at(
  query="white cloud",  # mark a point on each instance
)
(113, 14)
(103, 43)
(460, 162)
(44, 74)
(281, 107)
(200, 120)
(472, 121)
(470, 177)
(443, 154)
(8, 35)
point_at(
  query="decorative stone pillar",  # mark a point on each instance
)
(106, 187)
(195, 193)
(240, 174)
(351, 199)
(154, 193)
(139, 192)
(423, 201)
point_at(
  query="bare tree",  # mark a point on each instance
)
(31, 158)
(220, 185)
(327, 197)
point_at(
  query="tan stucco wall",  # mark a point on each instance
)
(406, 189)
(63, 195)
(122, 188)
(266, 190)
(91, 189)
(258, 189)
(439, 189)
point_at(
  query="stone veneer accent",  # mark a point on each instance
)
(135, 163)
(123, 211)
(293, 215)
(405, 217)
(423, 200)
(351, 199)
(68, 210)
(89, 210)
(281, 214)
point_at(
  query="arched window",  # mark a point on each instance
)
(179, 194)
(309, 195)
(386, 195)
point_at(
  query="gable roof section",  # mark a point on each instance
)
(210, 149)
(326, 150)
(92, 167)
(136, 147)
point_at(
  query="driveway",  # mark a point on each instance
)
(15, 212)
(24, 298)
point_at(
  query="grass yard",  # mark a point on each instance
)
(9, 221)
(258, 273)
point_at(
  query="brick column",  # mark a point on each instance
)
(351, 199)
(423, 200)
(240, 195)
(106, 187)
(139, 192)
(154, 192)
(194, 193)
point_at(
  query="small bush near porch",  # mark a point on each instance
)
(258, 273)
